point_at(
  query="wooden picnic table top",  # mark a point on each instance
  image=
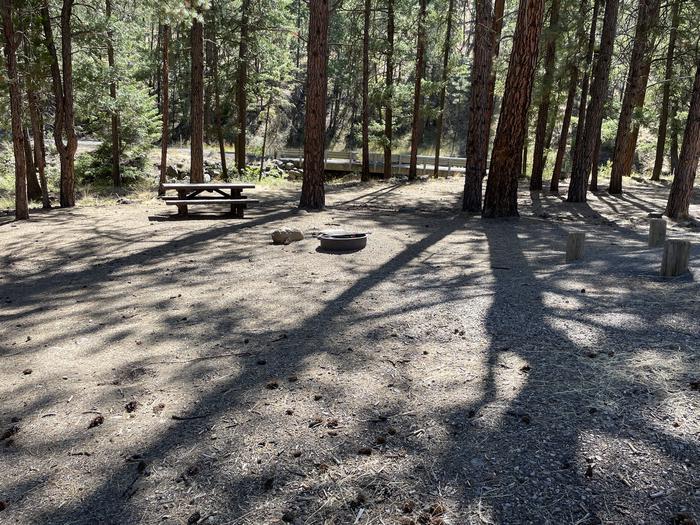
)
(207, 186)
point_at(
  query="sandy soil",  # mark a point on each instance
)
(455, 371)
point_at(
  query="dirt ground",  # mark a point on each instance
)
(456, 371)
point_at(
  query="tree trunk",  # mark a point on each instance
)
(538, 155)
(217, 111)
(678, 206)
(578, 142)
(11, 44)
(264, 144)
(33, 186)
(197, 103)
(496, 29)
(583, 154)
(674, 136)
(563, 137)
(39, 147)
(241, 81)
(443, 86)
(596, 164)
(486, 46)
(62, 83)
(365, 93)
(388, 116)
(312, 190)
(165, 45)
(663, 120)
(506, 159)
(635, 92)
(420, 70)
(116, 142)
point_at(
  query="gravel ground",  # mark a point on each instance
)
(456, 371)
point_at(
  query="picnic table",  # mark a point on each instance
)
(207, 193)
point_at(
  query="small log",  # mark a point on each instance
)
(676, 258)
(575, 246)
(657, 232)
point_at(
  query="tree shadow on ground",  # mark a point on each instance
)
(493, 417)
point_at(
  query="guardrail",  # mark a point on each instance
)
(352, 161)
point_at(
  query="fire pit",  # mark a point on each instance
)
(342, 242)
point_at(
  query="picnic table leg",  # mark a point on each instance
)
(181, 208)
(237, 210)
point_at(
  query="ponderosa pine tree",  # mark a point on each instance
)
(635, 93)
(479, 116)
(165, 105)
(116, 141)
(12, 40)
(550, 54)
(585, 146)
(197, 100)
(364, 176)
(389, 95)
(668, 76)
(312, 189)
(566, 123)
(39, 147)
(443, 86)
(501, 198)
(678, 206)
(578, 141)
(62, 82)
(417, 96)
(241, 83)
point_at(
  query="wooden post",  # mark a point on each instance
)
(575, 246)
(657, 232)
(676, 258)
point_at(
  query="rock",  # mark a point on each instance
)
(172, 172)
(289, 165)
(287, 235)
(124, 200)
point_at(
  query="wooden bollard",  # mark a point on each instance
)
(657, 232)
(575, 245)
(676, 258)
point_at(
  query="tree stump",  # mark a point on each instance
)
(676, 258)
(657, 232)
(575, 245)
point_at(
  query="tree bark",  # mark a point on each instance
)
(420, 70)
(506, 159)
(39, 146)
(674, 136)
(538, 155)
(678, 206)
(217, 111)
(479, 121)
(241, 81)
(496, 29)
(563, 137)
(388, 115)
(365, 92)
(583, 155)
(62, 82)
(165, 97)
(663, 119)
(197, 103)
(596, 164)
(116, 141)
(33, 186)
(635, 93)
(443, 86)
(577, 143)
(312, 190)
(11, 44)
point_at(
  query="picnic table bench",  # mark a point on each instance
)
(214, 193)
